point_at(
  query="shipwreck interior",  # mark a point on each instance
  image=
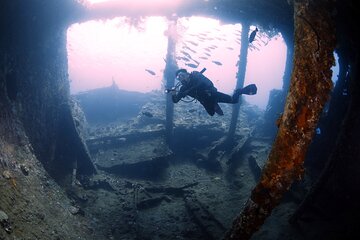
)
(59, 176)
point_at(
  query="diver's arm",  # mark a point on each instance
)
(177, 96)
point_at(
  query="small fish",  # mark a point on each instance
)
(185, 59)
(252, 35)
(252, 47)
(195, 61)
(217, 63)
(186, 54)
(150, 71)
(147, 114)
(191, 65)
(191, 50)
(192, 110)
(193, 43)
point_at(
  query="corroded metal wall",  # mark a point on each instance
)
(33, 40)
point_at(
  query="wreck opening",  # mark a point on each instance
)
(111, 51)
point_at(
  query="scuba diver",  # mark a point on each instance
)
(196, 85)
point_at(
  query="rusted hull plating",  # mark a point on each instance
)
(309, 90)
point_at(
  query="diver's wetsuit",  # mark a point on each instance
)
(202, 89)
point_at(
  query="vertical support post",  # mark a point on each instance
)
(240, 76)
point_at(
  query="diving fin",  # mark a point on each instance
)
(250, 89)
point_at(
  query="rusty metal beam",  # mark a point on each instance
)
(314, 41)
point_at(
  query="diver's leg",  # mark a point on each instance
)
(236, 95)
(209, 107)
(224, 98)
(210, 110)
(218, 109)
(248, 90)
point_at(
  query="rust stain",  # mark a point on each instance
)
(13, 183)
